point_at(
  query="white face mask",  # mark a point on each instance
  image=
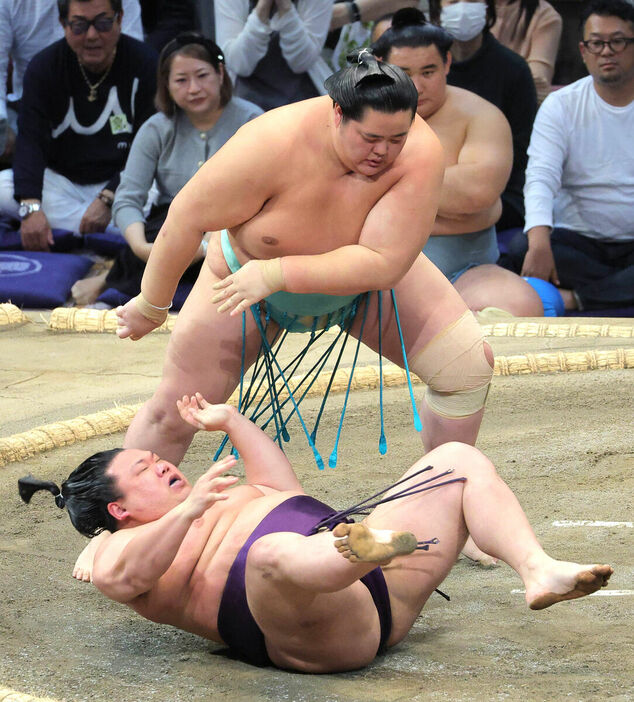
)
(464, 20)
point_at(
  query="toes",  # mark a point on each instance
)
(342, 529)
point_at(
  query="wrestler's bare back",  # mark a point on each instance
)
(297, 197)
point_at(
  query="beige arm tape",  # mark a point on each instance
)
(272, 273)
(150, 311)
(455, 369)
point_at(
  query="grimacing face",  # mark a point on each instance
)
(608, 68)
(424, 65)
(95, 50)
(371, 145)
(150, 487)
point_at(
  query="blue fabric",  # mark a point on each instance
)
(39, 280)
(551, 298)
(601, 273)
(296, 312)
(65, 240)
(105, 243)
(10, 240)
(114, 297)
(455, 255)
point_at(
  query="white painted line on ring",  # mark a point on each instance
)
(598, 593)
(590, 523)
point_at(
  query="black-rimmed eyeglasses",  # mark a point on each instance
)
(80, 26)
(596, 46)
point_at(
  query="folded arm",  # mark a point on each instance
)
(484, 163)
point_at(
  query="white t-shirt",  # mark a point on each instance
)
(580, 172)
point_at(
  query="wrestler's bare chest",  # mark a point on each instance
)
(312, 214)
(189, 593)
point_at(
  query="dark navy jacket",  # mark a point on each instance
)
(58, 128)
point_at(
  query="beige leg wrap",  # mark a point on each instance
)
(455, 369)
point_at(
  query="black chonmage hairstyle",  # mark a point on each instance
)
(409, 28)
(368, 82)
(86, 493)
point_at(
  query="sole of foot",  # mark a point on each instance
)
(360, 543)
(588, 580)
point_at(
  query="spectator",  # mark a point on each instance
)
(27, 27)
(481, 64)
(84, 99)
(580, 178)
(163, 20)
(476, 139)
(531, 28)
(351, 25)
(274, 48)
(197, 115)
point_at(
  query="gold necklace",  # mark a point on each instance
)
(92, 95)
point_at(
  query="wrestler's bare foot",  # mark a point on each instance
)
(83, 565)
(471, 551)
(553, 581)
(87, 290)
(360, 543)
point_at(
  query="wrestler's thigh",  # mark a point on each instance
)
(435, 513)
(205, 348)
(427, 303)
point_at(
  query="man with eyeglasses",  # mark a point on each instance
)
(26, 27)
(84, 98)
(579, 192)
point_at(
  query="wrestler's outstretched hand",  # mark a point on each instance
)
(252, 283)
(208, 488)
(195, 410)
(132, 323)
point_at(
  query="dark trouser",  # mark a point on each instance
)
(601, 273)
(127, 270)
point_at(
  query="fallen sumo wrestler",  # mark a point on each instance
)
(278, 576)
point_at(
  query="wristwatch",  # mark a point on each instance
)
(27, 208)
(106, 199)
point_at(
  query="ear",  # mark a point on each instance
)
(448, 63)
(117, 511)
(338, 114)
(582, 51)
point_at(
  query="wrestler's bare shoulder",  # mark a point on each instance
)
(284, 132)
(466, 105)
(422, 149)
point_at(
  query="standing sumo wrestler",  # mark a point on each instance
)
(333, 196)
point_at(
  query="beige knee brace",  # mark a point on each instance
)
(455, 369)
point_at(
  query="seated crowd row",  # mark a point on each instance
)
(92, 155)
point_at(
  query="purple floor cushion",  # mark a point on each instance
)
(39, 280)
(114, 298)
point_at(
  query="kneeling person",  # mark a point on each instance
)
(249, 565)
(479, 154)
